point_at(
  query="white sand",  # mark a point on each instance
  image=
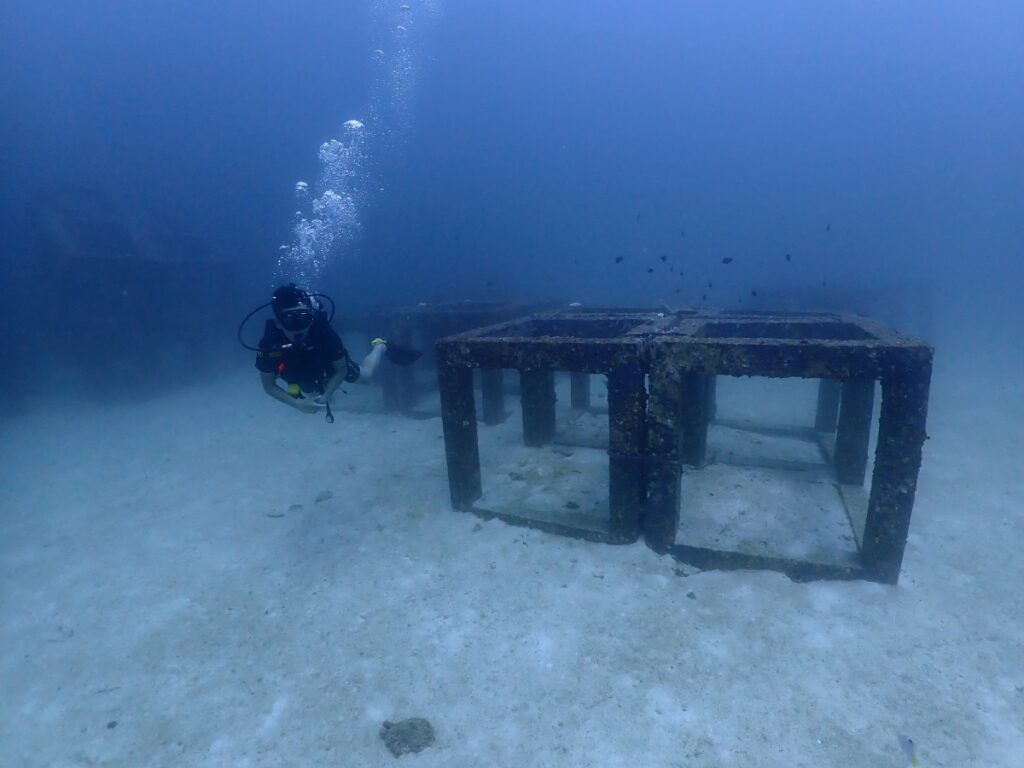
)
(154, 576)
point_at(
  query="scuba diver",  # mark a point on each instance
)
(300, 346)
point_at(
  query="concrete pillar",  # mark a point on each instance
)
(626, 437)
(711, 399)
(827, 414)
(458, 418)
(492, 388)
(663, 467)
(901, 436)
(579, 388)
(853, 432)
(694, 418)
(537, 394)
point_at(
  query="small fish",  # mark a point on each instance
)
(704, 297)
(671, 269)
(909, 749)
(753, 293)
(677, 290)
(618, 259)
(682, 234)
(649, 270)
(828, 227)
(788, 257)
(727, 260)
(711, 285)
(638, 216)
(664, 257)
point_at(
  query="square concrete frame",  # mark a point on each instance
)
(610, 343)
(423, 324)
(651, 437)
(849, 354)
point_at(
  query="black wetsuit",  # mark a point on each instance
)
(309, 363)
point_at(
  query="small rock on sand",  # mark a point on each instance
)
(411, 735)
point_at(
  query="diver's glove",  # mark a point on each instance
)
(378, 342)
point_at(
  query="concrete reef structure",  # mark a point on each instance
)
(661, 369)
(420, 326)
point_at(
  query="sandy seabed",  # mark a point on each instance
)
(174, 594)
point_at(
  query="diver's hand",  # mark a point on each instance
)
(322, 400)
(308, 406)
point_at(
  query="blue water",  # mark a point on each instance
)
(165, 164)
(548, 136)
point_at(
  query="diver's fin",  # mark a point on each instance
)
(400, 355)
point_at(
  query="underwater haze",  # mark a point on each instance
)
(192, 573)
